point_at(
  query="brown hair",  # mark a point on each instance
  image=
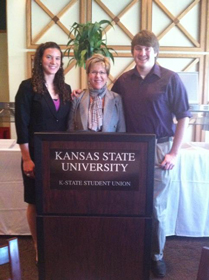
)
(96, 58)
(145, 38)
(38, 80)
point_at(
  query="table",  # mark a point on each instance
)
(12, 207)
(188, 206)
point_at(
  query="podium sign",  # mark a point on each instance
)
(94, 204)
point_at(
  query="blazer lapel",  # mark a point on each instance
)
(50, 104)
(84, 108)
(108, 109)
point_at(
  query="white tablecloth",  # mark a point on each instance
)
(188, 212)
(12, 207)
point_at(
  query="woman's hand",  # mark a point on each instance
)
(75, 93)
(29, 168)
(28, 164)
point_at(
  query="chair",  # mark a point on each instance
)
(9, 253)
(203, 270)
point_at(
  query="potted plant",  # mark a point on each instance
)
(85, 40)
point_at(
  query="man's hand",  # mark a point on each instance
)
(169, 162)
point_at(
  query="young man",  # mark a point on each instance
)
(152, 96)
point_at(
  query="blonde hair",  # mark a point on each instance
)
(98, 58)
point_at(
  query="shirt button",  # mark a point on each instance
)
(57, 120)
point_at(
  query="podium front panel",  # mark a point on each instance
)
(94, 248)
(94, 173)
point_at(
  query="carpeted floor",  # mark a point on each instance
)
(182, 256)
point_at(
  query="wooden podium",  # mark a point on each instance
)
(94, 204)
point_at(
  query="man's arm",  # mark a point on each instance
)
(170, 159)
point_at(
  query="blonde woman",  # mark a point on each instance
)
(97, 108)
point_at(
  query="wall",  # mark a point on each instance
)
(169, 56)
(16, 38)
(16, 34)
(4, 87)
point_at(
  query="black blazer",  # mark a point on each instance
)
(36, 112)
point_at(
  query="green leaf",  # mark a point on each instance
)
(105, 21)
(86, 39)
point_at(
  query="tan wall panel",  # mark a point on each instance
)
(182, 27)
